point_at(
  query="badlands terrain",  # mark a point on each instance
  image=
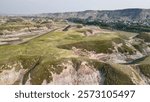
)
(58, 49)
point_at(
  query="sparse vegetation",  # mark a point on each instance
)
(112, 75)
(145, 69)
(125, 49)
(119, 25)
(55, 48)
(144, 36)
(115, 77)
(99, 46)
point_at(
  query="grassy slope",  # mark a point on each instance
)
(144, 66)
(145, 61)
(46, 47)
(145, 69)
(113, 75)
(145, 36)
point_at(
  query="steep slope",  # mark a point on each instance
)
(125, 14)
(131, 20)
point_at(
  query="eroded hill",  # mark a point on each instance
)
(78, 55)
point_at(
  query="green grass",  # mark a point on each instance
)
(99, 46)
(42, 46)
(125, 49)
(44, 70)
(14, 26)
(112, 76)
(146, 60)
(138, 47)
(26, 61)
(125, 35)
(115, 77)
(54, 49)
(145, 69)
(145, 36)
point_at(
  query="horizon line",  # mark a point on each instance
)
(23, 14)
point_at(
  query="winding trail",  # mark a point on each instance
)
(37, 36)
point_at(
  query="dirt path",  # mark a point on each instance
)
(31, 38)
(21, 41)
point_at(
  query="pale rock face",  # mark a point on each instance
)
(147, 50)
(85, 75)
(9, 77)
(90, 54)
(117, 58)
(136, 55)
(88, 75)
(28, 81)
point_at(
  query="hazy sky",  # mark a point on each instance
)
(45, 6)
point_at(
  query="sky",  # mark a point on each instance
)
(51, 6)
